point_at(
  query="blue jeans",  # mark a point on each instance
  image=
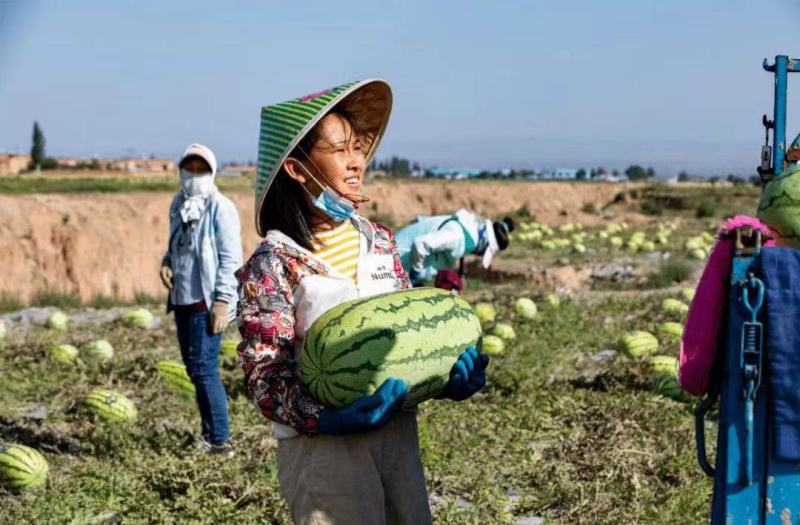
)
(200, 352)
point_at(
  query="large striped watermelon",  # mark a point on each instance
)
(779, 207)
(414, 335)
(111, 405)
(175, 375)
(22, 467)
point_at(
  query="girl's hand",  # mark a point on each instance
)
(467, 376)
(367, 412)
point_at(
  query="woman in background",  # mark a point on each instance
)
(203, 252)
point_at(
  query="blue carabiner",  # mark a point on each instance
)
(758, 284)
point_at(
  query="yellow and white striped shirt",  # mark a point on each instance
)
(339, 248)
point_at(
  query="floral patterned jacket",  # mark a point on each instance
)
(266, 319)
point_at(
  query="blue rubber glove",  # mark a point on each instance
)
(367, 412)
(467, 376)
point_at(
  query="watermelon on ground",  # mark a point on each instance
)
(22, 467)
(139, 318)
(638, 344)
(671, 330)
(110, 405)
(64, 354)
(175, 375)
(525, 308)
(664, 364)
(674, 306)
(415, 335)
(58, 320)
(504, 331)
(698, 253)
(228, 352)
(553, 301)
(99, 350)
(485, 312)
(493, 345)
(667, 385)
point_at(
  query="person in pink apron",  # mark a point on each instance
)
(359, 463)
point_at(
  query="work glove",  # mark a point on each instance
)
(219, 317)
(467, 376)
(367, 412)
(166, 276)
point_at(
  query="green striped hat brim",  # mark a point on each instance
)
(284, 125)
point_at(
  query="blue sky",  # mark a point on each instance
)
(676, 84)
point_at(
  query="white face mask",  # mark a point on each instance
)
(193, 184)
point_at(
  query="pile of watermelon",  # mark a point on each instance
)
(645, 346)
(573, 236)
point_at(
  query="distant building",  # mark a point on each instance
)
(143, 165)
(237, 170)
(565, 174)
(67, 164)
(608, 176)
(558, 174)
(12, 164)
(454, 173)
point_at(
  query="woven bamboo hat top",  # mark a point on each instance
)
(284, 125)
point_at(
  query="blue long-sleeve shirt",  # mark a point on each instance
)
(217, 250)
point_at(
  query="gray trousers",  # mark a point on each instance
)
(370, 478)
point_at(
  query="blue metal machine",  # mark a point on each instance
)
(751, 486)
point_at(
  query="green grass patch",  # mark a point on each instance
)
(706, 209)
(9, 302)
(121, 184)
(671, 272)
(56, 298)
(117, 183)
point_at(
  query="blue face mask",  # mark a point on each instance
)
(331, 203)
(334, 206)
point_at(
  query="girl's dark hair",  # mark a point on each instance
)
(286, 205)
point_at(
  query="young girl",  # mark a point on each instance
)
(359, 463)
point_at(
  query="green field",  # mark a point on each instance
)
(115, 183)
(566, 430)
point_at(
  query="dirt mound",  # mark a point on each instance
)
(112, 244)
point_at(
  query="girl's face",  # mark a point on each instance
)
(337, 159)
